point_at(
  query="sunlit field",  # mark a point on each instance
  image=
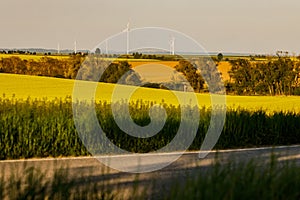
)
(223, 68)
(33, 57)
(135, 63)
(23, 86)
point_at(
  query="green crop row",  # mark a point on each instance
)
(37, 128)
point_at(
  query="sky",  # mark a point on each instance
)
(256, 26)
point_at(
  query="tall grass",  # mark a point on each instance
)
(33, 183)
(37, 128)
(40, 128)
(242, 181)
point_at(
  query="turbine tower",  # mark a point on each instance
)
(127, 36)
(172, 46)
(106, 47)
(58, 48)
(75, 46)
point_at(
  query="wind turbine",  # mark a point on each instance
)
(106, 47)
(58, 48)
(172, 45)
(75, 46)
(127, 32)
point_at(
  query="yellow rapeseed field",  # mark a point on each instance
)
(142, 62)
(224, 67)
(134, 62)
(23, 86)
(33, 57)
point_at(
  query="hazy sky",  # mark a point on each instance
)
(260, 26)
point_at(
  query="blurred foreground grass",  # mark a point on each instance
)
(250, 180)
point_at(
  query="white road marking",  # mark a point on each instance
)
(147, 154)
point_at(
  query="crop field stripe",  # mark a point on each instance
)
(34, 57)
(23, 86)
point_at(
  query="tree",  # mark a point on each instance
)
(114, 72)
(275, 77)
(137, 55)
(191, 73)
(241, 73)
(210, 74)
(220, 57)
(98, 51)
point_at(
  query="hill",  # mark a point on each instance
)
(23, 86)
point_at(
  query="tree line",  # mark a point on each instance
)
(280, 76)
(202, 74)
(46, 66)
(274, 77)
(68, 68)
(111, 72)
(91, 66)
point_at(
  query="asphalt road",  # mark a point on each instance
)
(89, 168)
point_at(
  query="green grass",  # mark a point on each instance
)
(37, 128)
